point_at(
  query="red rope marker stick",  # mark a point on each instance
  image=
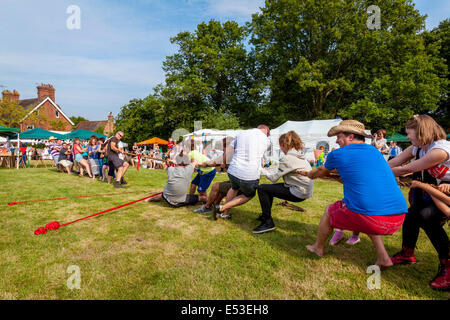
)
(54, 225)
(139, 160)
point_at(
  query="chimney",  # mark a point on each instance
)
(44, 91)
(10, 96)
(109, 128)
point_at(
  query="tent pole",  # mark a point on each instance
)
(18, 148)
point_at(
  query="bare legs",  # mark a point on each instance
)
(121, 171)
(324, 232)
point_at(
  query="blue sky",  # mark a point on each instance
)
(117, 54)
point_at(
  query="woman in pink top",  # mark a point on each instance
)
(77, 151)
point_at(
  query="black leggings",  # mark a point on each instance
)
(429, 218)
(266, 193)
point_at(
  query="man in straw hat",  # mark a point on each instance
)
(373, 202)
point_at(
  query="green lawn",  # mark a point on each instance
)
(151, 251)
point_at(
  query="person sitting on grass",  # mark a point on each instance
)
(178, 179)
(367, 178)
(295, 188)
(63, 160)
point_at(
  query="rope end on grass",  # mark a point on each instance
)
(40, 230)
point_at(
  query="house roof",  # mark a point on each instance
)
(54, 104)
(91, 125)
(29, 103)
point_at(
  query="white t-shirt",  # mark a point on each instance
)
(121, 155)
(442, 170)
(249, 147)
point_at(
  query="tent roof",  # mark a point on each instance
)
(397, 137)
(4, 131)
(38, 133)
(82, 134)
(152, 141)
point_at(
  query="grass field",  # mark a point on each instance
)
(151, 251)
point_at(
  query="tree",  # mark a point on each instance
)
(11, 113)
(438, 40)
(209, 72)
(77, 120)
(318, 59)
(142, 119)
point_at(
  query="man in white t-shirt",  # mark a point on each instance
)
(245, 167)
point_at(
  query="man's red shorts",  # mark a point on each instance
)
(343, 218)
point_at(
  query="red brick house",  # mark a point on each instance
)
(108, 125)
(45, 105)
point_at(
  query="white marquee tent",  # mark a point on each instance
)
(313, 134)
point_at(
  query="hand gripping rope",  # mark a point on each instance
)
(55, 224)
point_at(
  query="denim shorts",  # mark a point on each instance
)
(78, 157)
(247, 187)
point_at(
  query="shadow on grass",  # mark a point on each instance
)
(292, 236)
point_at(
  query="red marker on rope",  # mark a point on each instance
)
(54, 225)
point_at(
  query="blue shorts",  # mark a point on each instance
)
(203, 181)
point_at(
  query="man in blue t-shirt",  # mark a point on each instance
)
(373, 202)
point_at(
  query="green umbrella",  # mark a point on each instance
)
(83, 134)
(397, 137)
(38, 133)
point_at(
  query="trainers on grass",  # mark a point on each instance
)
(353, 240)
(203, 209)
(337, 236)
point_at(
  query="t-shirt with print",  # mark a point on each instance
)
(440, 171)
(249, 148)
(370, 187)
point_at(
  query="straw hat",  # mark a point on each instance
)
(349, 126)
(52, 138)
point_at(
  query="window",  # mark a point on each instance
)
(57, 114)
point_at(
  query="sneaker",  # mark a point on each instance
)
(353, 240)
(337, 236)
(225, 216)
(441, 281)
(265, 226)
(203, 209)
(406, 256)
(117, 185)
(122, 181)
(260, 218)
